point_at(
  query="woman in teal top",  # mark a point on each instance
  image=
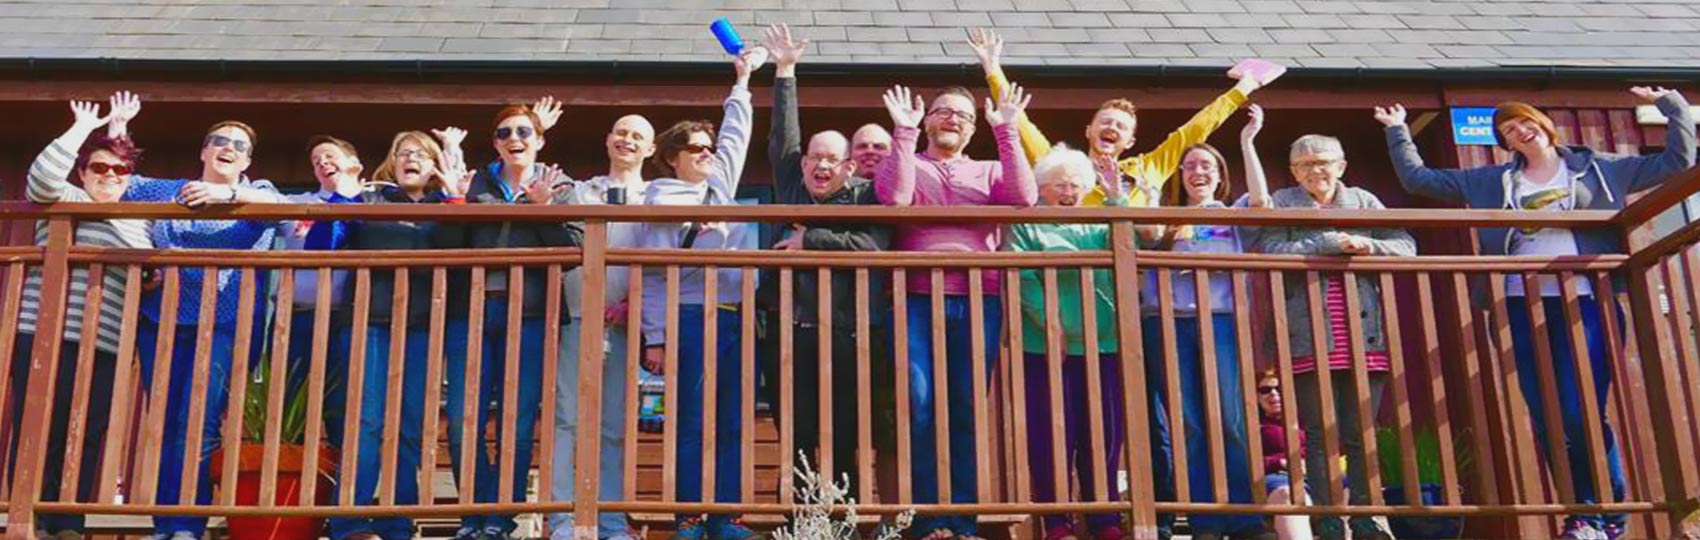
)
(1065, 177)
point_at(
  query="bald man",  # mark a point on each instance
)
(629, 143)
(870, 145)
(821, 173)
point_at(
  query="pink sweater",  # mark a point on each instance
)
(907, 178)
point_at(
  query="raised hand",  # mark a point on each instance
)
(548, 111)
(542, 189)
(1109, 177)
(125, 107)
(988, 46)
(1253, 123)
(748, 62)
(1008, 106)
(1650, 94)
(1390, 116)
(905, 108)
(451, 137)
(456, 179)
(86, 115)
(784, 50)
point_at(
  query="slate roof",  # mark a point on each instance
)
(1306, 33)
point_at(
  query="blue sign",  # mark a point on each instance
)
(1472, 126)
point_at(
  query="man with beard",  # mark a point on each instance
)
(1110, 134)
(942, 176)
(823, 175)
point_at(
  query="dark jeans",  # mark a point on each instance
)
(923, 421)
(1236, 454)
(493, 383)
(94, 431)
(374, 401)
(1569, 392)
(806, 397)
(694, 361)
(174, 443)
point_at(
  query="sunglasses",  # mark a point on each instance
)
(699, 148)
(524, 132)
(103, 168)
(1268, 389)
(220, 141)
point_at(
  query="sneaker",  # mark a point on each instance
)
(690, 528)
(734, 529)
(468, 533)
(1368, 528)
(493, 533)
(1576, 529)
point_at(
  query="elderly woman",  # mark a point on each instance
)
(102, 163)
(1318, 162)
(1546, 177)
(1203, 183)
(1065, 176)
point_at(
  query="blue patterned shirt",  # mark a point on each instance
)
(201, 234)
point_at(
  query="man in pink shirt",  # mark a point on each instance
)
(942, 176)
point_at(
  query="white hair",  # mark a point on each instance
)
(1316, 144)
(1066, 164)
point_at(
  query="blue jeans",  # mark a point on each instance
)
(1569, 394)
(493, 382)
(959, 368)
(728, 391)
(611, 432)
(374, 398)
(1193, 394)
(300, 361)
(174, 442)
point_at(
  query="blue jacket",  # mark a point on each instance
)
(1601, 181)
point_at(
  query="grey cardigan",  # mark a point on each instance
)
(1313, 241)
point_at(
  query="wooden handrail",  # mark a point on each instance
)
(1399, 217)
(1671, 193)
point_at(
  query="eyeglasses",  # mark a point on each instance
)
(1268, 389)
(828, 160)
(417, 154)
(942, 112)
(524, 132)
(103, 168)
(699, 148)
(1314, 164)
(1199, 165)
(220, 141)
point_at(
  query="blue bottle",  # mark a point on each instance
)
(728, 36)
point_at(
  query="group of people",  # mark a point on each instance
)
(919, 162)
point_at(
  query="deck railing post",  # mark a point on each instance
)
(44, 360)
(590, 362)
(1142, 509)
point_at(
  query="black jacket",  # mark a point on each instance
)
(786, 154)
(395, 235)
(487, 188)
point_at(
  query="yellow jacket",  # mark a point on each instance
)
(1152, 168)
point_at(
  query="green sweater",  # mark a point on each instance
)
(1065, 237)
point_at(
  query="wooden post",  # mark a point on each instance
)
(1141, 499)
(32, 431)
(590, 380)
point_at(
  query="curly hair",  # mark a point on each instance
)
(669, 143)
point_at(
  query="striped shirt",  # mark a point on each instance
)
(47, 184)
(1340, 355)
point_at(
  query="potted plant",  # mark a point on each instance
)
(1426, 445)
(250, 454)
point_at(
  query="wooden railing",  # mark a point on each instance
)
(1450, 358)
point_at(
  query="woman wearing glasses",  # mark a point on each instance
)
(102, 163)
(1318, 165)
(698, 166)
(1204, 183)
(515, 177)
(1545, 176)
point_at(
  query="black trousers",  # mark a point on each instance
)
(94, 431)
